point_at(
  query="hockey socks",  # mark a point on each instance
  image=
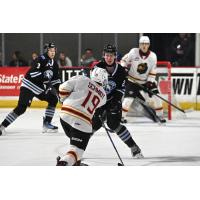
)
(49, 113)
(10, 118)
(125, 136)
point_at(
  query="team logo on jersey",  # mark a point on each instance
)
(142, 68)
(48, 74)
(110, 87)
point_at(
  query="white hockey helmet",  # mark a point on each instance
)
(100, 75)
(144, 39)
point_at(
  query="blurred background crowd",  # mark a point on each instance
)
(21, 49)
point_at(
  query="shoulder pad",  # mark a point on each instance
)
(153, 55)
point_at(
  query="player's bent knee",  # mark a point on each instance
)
(96, 124)
(96, 127)
(119, 128)
(113, 125)
(53, 101)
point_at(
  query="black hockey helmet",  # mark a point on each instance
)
(110, 49)
(47, 46)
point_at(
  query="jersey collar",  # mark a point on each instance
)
(144, 55)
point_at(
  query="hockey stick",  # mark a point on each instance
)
(152, 93)
(150, 110)
(119, 164)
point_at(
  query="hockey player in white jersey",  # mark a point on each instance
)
(81, 96)
(141, 65)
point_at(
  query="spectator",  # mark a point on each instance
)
(87, 58)
(17, 60)
(87, 61)
(34, 56)
(64, 60)
(181, 51)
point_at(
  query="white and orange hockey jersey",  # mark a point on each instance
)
(141, 68)
(81, 97)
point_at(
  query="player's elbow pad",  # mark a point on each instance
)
(63, 93)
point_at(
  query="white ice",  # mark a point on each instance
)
(177, 143)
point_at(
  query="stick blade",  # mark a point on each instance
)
(120, 164)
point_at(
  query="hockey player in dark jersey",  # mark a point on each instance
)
(112, 111)
(41, 81)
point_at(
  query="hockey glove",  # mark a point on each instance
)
(150, 87)
(115, 106)
(49, 89)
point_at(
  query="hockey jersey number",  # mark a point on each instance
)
(91, 99)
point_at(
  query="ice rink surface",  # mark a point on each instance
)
(177, 143)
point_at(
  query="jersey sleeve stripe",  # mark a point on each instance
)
(55, 81)
(35, 75)
(31, 86)
(152, 74)
(133, 78)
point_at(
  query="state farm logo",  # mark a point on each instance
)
(11, 78)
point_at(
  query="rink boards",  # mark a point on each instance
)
(185, 83)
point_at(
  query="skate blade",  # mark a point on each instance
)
(3, 133)
(139, 156)
(49, 130)
(162, 124)
(84, 164)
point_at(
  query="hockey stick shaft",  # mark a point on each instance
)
(149, 91)
(112, 142)
(143, 103)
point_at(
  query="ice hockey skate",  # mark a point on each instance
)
(79, 163)
(64, 163)
(136, 152)
(48, 127)
(161, 120)
(124, 120)
(61, 163)
(2, 128)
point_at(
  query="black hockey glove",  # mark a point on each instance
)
(49, 89)
(150, 88)
(115, 106)
(149, 85)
